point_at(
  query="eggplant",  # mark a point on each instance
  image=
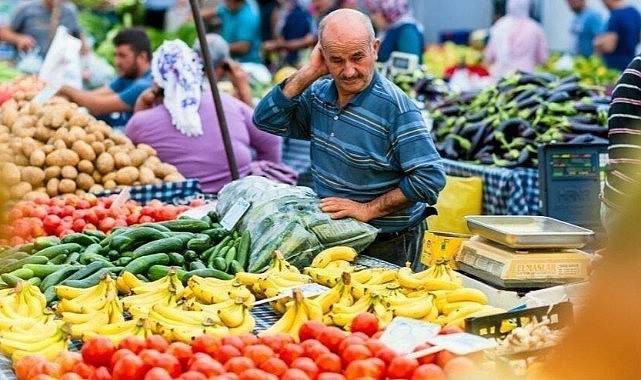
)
(587, 138)
(558, 97)
(585, 107)
(580, 128)
(513, 127)
(569, 79)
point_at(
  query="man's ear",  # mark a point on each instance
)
(376, 45)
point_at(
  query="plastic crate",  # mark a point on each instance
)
(494, 326)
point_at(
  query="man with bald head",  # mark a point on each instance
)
(372, 156)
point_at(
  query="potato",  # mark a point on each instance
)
(122, 160)
(37, 158)
(62, 157)
(10, 174)
(42, 133)
(108, 185)
(174, 177)
(84, 150)
(52, 172)
(120, 139)
(115, 149)
(84, 181)
(59, 143)
(109, 177)
(19, 190)
(69, 172)
(34, 194)
(77, 133)
(105, 163)
(97, 177)
(80, 119)
(127, 175)
(138, 157)
(150, 151)
(9, 116)
(90, 138)
(66, 186)
(96, 189)
(146, 175)
(98, 147)
(85, 166)
(109, 143)
(28, 146)
(21, 160)
(98, 135)
(33, 175)
(47, 149)
(163, 170)
(152, 161)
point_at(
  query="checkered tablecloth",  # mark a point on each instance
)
(168, 192)
(505, 191)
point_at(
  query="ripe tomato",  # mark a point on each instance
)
(374, 345)
(71, 376)
(235, 341)
(78, 225)
(290, 352)
(169, 362)
(258, 353)
(97, 351)
(256, 374)
(157, 374)
(310, 330)
(275, 366)
(442, 357)
(349, 340)
(149, 356)
(129, 367)
(275, 342)
(101, 373)
(355, 352)
(402, 367)
(118, 355)
(330, 376)
(459, 367)
(133, 343)
(307, 365)
(366, 323)
(239, 364)
(85, 370)
(67, 359)
(180, 351)
(359, 369)
(156, 342)
(329, 362)
(427, 358)
(331, 337)
(226, 352)
(208, 366)
(107, 224)
(295, 374)
(205, 343)
(429, 371)
(192, 375)
(248, 338)
(386, 354)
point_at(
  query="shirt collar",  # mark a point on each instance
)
(331, 96)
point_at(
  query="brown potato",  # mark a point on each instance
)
(52, 172)
(84, 181)
(146, 175)
(37, 158)
(122, 160)
(105, 163)
(98, 147)
(96, 188)
(19, 190)
(66, 186)
(10, 174)
(69, 172)
(85, 166)
(127, 175)
(33, 175)
(108, 185)
(84, 150)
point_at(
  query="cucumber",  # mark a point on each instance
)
(92, 257)
(60, 259)
(43, 242)
(243, 248)
(72, 258)
(10, 279)
(43, 270)
(170, 244)
(9, 252)
(123, 261)
(216, 234)
(230, 256)
(27, 260)
(88, 281)
(235, 267)
(157, 272)
(265, 257)
(88, 270)
(78, 238)
(205, 218)
(207, 253)
(213, 215)
(208, 272)
(57, 277)
(156, 226)
(200, 243)
(176, 258)
(219, 263)
(143, 263)
(185, 237)
(22, 274)
(95, 233)
(16, 255)
(94, 248)
(197, 265)
(50, 294)
(29, 248)
(35, 281)
(116, 270)
(135, 237)
(186, 225)
(54, 251)
(190, 255)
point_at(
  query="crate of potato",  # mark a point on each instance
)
(56, 148)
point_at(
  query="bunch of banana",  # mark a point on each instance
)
(421, 306)
(341, 293)
(139, 305)
(170, 282)
(109, 311)
(46, 339)
(328, 255)
(24, 301)
(86, 300)
(299, 310)
(374, 280)
(278, 265)
(438, 277)
(212, 290)
(329, 277)
(237, 317)
(126, 282)
(342, 316)
(271, 285)
(116, 332)
(184, 325)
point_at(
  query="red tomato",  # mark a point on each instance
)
(226, 352)
(402, 367)
(118, 355)
(206, 343)
(192, 375)
(180, 351)
(459, 367)
(427, 358)
(258, 353)
(330, 376)
(359, 369)
(274, 366)
(83, 369)
(355, 352)
(71, 376)
(290, 352)
(256, 374)
(97, 351)
(366, 323)
(386, 354)
(133, 343)
(67, 210)
(295, 374)
(207, 366)
(310, 330)
(276, 341)
(442, 357)
(157, 374)
(429, 371)
(16, 214)
(249, 339)
(156, 342)
(92, 217)
(331, 337)
(145, 219)
(329, 362)
(129, 367)
(374, 345)
(307, 365)
(83, 204)
(350, 340)
(132, 219)
(101, 373)
(169, 363)
(42, 376)
(315, 350)
(149, 356)
(107, 224)
(39, 212)
(67, 359)
(78, 225)
(239, 364)
(235, 341)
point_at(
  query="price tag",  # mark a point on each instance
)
(462, 343)
(234, 214)
(123, 196)
(403, 335)
(45, 94)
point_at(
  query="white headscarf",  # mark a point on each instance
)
(178, 70)
(518, 8)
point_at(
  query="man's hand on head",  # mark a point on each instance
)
(340, 208)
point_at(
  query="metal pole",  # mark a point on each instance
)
(209, 70)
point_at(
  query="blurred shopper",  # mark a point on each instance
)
(294, 32)
(587, 24)
(619, 41)
(269, 13)
(516, 42)
(156, 12)
(241, 29)
(114, 104)
(178, 119)
(397, 29)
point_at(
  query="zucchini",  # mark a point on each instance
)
(10, 279)
(208, 272)
(95, 233)
(156, 226)
(219, 263)
(170, 244)
(243, 248)
(176, 258)
(143, 263)
(216, 234)
(72, 258)
(54, 251)
(60, 259)
(92, 257)
(88, 281)
(196, 265)
(157, 272)
(78, 238)
(186, 225)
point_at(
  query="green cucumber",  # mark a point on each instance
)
(176, 258)
(58, 276)
(243, 248)
(72, 258)
(94, 248)
(213, 215)
(78, 238)
(207, 253)
(135, 237)
(208, 272)
(27, 260)
(123, 261)
(156, 226)
(186, 225)
(35, 281)
(29, 248)
(50, 293)
(43, 270)
(60, 259)
(219, 263)
(88, 281)
(43, 242)
(17, 255)
(197, 265)
(54, 251)
(143, 263)
(216, 234)
(95, 233)
(92, 257)
(200, 243)
(235, 267)
(170, 244)
(88, 270)
(10, 279)
(185, 237)
(190, 255)
(157, 272)
(230, 256)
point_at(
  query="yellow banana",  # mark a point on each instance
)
(313, 309)
(299, 318)
(233, 316)
(283, 324)
(463, 312)
(8, 346)
(76, 331)
(467, 294)
(432, 284)
(432, 315)
(49, 352)
(187, 316)
(451, 307)
(332, 254)
(407, 279)
(330, 297)
(247, 278)
(416, 309)
(382, 277)
(323, 276)
(247, 326)
(340, 265)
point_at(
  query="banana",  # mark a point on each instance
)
(417, 309)
(313, 309)
(451, 307)
(78, 318)
(323, 276)
(432, 284)
(332, 254)
(463, 312)
(233, 316)
(467, 294)
(284, 324)
(382, 277)
(50, 352)
(147, 299)
(279, 264)
(131, 281)
(383, 314)
(213, 308)
(8, 346)
(300, 317)
(407, 279)
(248, 279)
(247, 326)
(432, 315)
(330, 297)
(340, 265)
(201, 317)
(361, 276)
(76, 331)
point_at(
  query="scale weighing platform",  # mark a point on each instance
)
(524, 252)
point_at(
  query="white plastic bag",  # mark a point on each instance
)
(61, 65)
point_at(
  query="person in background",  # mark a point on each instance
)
(177, 117)
(516, 43)
(618, 43)
(587, 24)
(31, 26)
(294, 32)
(398, 29)
(241, 29)
(155, 12)
(114, 104)
(269, 10)
(321, 8)
(373, 158)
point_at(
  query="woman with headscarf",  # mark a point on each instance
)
(178, 119)
(397, 29)
(517, 42)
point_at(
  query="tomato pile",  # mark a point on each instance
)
(324, 353)
(73, 213)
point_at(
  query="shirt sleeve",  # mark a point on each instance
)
(414, 149)
(268, 146)
(247, 27)
(131, 93)
(17, 18)
(284, 117)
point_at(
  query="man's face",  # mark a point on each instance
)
(576, 5)
(351, 61)
(233, 5)
(609, 3)
(126, 61)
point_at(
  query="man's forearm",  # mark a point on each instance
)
(387, 203)
(298, 82)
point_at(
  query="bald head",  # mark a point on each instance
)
(345, 24)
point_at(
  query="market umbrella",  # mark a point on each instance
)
(209, 70)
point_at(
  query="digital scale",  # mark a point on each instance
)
(401, 63)
(524, 252)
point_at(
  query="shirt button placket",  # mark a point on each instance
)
(335, 119)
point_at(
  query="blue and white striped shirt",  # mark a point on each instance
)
(376, 143)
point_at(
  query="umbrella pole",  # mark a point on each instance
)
(209, 70)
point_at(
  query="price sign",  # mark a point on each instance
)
(403, 335)
(234, 214)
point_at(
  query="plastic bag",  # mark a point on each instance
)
(461, 196)
(288, 219)
(99, 71)
(29, 62)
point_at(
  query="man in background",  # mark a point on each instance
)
(587, 24)
(618, 43)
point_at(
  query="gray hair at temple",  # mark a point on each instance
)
(360, 17)
(218, 49)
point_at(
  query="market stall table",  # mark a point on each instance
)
(506, 191)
